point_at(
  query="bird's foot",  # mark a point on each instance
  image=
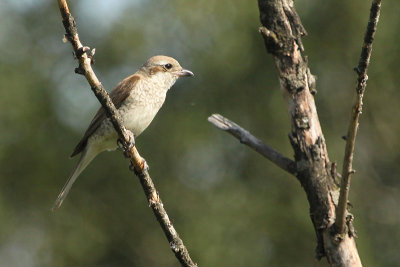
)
(126, 146)
(131, 141)
(122, 147)
(120, 144)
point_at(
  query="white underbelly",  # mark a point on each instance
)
(135, 118)
(138, 118)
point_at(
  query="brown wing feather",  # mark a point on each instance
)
(118, 95)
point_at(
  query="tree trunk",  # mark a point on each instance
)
(282, 31)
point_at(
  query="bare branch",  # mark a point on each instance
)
(282, 32)
(245, 137)
(361, 70)
(140, 166)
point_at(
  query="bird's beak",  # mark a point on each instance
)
(185, 73)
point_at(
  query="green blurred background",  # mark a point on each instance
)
(230, 205)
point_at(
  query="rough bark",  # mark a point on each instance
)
(282, 31)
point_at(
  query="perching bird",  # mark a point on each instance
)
(138, 99)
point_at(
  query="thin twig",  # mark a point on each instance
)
(361, 70)
(245, 137)
(85, 61)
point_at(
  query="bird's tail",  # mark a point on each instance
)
(86, 157)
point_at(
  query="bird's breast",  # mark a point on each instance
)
(137, 111)
(137, 114)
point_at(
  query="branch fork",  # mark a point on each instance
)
(282, 31)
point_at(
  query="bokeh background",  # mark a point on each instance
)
(230, 205)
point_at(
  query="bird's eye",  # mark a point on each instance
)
(168, 66)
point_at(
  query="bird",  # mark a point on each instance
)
(138, 98)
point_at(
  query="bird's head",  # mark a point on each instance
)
(165, 67)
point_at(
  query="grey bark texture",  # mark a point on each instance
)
(282, 31)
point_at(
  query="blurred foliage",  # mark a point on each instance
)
(231, 206)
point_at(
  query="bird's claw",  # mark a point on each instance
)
(131, 141)
(120, 144)
(126, 146)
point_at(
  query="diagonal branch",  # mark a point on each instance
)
(125, 135)
(245, 137)
(361, 70)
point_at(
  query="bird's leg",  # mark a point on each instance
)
(120, 144)
(126, 147)
(131, 141)
(121, 147)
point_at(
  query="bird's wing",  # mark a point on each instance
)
(117, 95)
